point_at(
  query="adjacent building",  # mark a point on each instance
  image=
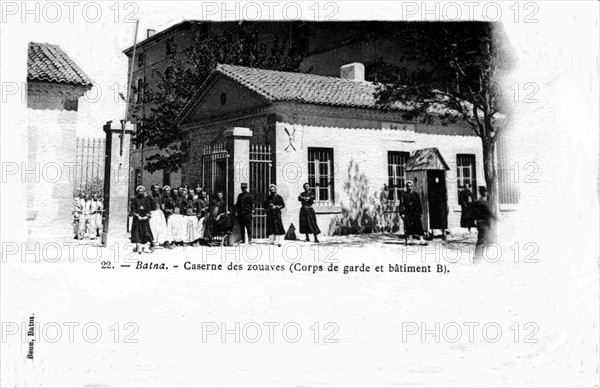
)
(54, 85)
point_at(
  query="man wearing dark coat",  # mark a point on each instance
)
(411, 212)
(141, 205)
(308, 218)
(203, 205)
(217, 221)
(244, 211)
(273, 205)
(167, 205)
(465, 200)
(483, 216)
(218, 202)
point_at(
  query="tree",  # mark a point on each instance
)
(448, 73)
(157, 108)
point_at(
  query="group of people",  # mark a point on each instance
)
(176, 217)
(88, 210)
(245, 208)
(474, 213)
(273, 204)
(185, 216)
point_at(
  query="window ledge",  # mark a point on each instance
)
(332, 209)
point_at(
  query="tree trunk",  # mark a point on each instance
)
(491, 182)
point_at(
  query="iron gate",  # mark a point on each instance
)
(215, 171)
(259, 181)
(88, 175)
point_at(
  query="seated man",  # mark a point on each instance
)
(217, 206)
(222, 223)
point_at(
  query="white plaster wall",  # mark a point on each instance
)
(369, 148)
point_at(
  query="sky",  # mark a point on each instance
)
(94, 34)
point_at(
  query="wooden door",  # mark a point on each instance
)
(437, 197)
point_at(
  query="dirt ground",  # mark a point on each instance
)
(491, 322)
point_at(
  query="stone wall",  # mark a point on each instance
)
(49, 172)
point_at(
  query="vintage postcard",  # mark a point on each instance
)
(300, 193)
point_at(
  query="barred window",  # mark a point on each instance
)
(140, 90)
(171, 47)
(396, 174)
(141, 59)
(465, 173)
(320, 174)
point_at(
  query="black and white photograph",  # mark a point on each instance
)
(300, 193)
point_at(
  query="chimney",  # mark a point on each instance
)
(150, 32)
(353, 71)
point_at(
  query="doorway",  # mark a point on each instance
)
(437, 199)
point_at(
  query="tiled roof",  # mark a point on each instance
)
(426, 159)
(301, 87)
(49, 63)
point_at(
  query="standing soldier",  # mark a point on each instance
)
(202, 210)
(273, 205)
(158, 223)
(244, 210)
(190, 209)
(95, 216)
(167, 205)
(483, 216)
(465, 200)
(177, 219)
(86, 216)
(411, 212)
(78, 204)
(141, 205)
(308, 218)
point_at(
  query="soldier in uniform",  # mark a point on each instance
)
(465, 200)
(244, 211)
(158, 223)
(273, 205)
(483, 216)
(411, 212)
(308, 218)
(167, 205)
(95, 210)
(141, 206)
(78, 222)
(191, 211)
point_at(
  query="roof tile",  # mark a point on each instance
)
(308, 88)
(49, 63)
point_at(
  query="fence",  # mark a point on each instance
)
(260, 179)
(215, 174)
(88, 176)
